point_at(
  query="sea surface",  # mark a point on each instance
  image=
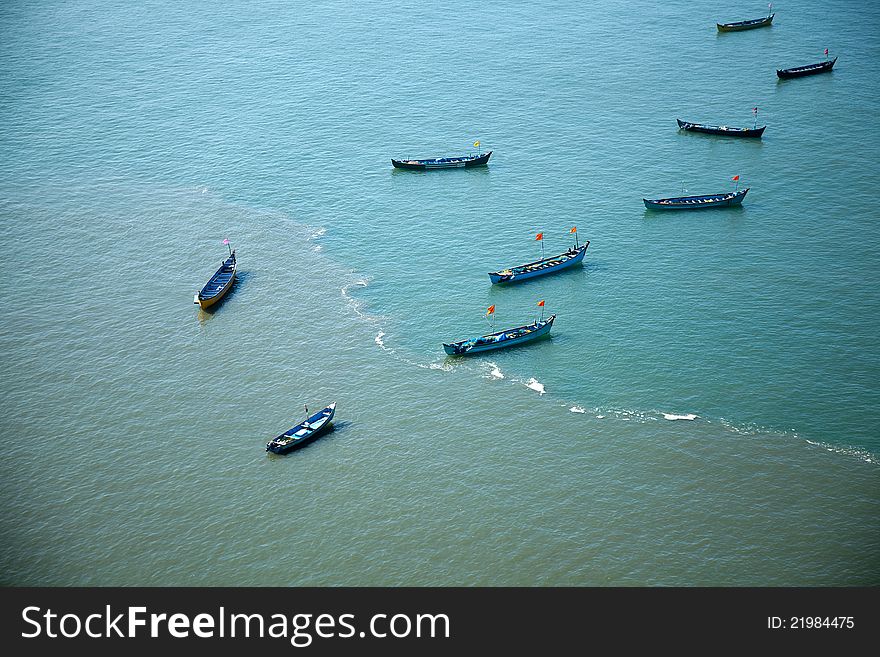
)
(705, 412)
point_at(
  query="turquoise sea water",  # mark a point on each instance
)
(133, 139)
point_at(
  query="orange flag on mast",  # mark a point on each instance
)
(574, 229)
(539, 236)
(541, 303)
(491, 309)
(735, 178)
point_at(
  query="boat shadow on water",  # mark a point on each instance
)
(721, 139)
(472, 171)
(735, 210)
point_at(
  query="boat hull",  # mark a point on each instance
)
(721, 130)
(443, 162)
(739, 26)
(275, 448)
(211, 294)
(810, 69)
(697, 202)
(514, 277)
(541, 329)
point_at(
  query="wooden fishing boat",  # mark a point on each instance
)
(220, 283)
(540, 267)
(444, 162)
(500, 339)
(697, 202)
(745, 25)
(304, 432)
(809, 69)
(721, 129)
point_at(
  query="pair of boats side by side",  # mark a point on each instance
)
(518, 335)
(785, 73)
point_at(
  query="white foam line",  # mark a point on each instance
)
(859, 453)
(537, 386)
(577, 409)
(686, 416)
(356, 304)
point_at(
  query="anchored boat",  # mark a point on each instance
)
(219, 284)
(304, 432)
(697, 202)
(721, 129)
(540, 267)
(745, 25)
(444, 162)
(809, 69)
(500, 339)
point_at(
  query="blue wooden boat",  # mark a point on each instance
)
(809, 69)
(721, 129)
(540, 267)
(444, 162)
(304, 432)
(697, 202)
(750, 24)
(500, 339)
(219, 284)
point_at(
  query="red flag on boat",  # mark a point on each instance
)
(735, 178)
(539, 236)
(755, 110)
(226, 241)
(574, 229)
(826, 51)
(491, 309)
(541, 303)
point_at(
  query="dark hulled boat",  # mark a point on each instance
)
(697, 202)
(500, 339)
(459, 162)
(750, 24)
(304, 432)
(809, 69)
(540, 267)
(219, 284)
(721, 129)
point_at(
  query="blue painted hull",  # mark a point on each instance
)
(540, 267)
(219, 284)
(443, 162)
(697, 202)
(500, 339)
(304, 433)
